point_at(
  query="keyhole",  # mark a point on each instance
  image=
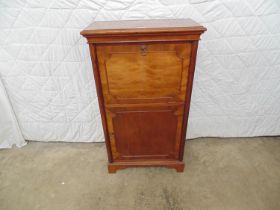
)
(143, 50)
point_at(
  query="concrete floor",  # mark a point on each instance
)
(220, 174)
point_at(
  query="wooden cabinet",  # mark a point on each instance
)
(143, 72)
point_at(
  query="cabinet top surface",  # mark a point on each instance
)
(143, 26)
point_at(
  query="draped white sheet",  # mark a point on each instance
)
(46, 69)
(10, 133)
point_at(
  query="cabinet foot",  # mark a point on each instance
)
(180, 168)
(112, 170)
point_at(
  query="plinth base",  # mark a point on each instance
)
(177, 165)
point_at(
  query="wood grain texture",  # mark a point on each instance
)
(188, 97)
(140, 73)
(144, 73)
(100, 100)
(177, 165)
(138, 38)
(145, 132)
(142, 27)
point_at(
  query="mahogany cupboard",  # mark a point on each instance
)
(143, 72)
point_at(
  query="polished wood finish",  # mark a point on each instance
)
(132, 27)
(133, 73)
(143, 73)
(179, 166)
(145, 132)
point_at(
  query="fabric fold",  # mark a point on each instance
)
(10, 133)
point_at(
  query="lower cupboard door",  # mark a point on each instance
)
(145, 133)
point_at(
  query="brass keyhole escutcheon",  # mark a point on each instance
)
(143, 50)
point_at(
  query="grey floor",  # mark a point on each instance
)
(220, 174)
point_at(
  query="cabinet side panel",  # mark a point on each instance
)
(100, 99)
(188, 97)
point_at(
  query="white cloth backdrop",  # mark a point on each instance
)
(9, 130)
(45, 65)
